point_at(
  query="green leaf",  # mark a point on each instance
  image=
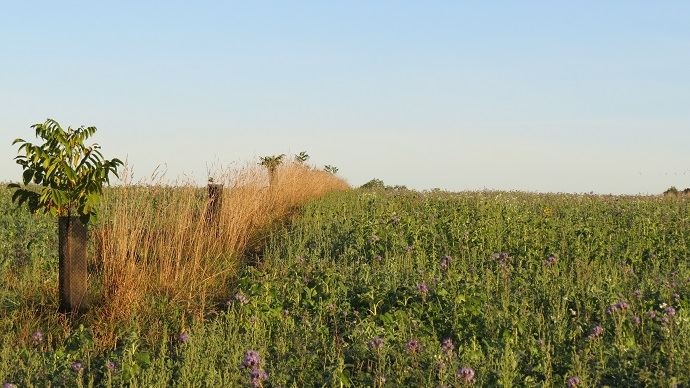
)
(28, 176)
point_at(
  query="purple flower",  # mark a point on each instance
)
(376, 343)
(378, 258)
(413, 346)
(37, 337)
(241, 299)
(9, 385)
(251, 360)
(258, 376)
(447, 346)
(465, 375)
(574, 382)
(620, 306)
(111, 366)
(502, 258)
(551, 260)
(183, 337)
(651, 314)
(445, 262)
(596, 332)
(77, 367)
(670, 311)
(422, 288)
(636, 320)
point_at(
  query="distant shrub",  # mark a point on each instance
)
(377, 184)
(671, 191)
(374, 184)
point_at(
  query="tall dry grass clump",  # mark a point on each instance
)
(155, 247)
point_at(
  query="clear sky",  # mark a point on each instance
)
(570, 96)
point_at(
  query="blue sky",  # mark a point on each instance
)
(517, 95)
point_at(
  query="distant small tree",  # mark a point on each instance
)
(671, 191)
(374, 184)
(331, 169)
(686, 191)
(271, 163)
(302, 157)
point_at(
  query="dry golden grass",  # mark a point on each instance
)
(154, 243)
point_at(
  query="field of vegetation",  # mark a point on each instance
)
(356, 288)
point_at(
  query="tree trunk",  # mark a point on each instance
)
(72, 239)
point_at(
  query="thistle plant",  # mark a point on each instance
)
(71, 173)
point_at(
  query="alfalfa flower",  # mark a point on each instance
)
(596, 332)
(77, 366)
(376, 343)
(447, 346)
(422, 288)
(37, 337)
(574, 382)
(620, 306)
(111, 366)
(251, 360)
(465, 375)
(258, 376)
(413, 346)
(502, 258)
(445, 262)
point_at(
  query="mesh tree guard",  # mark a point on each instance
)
(72, 241)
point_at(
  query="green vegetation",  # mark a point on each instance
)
(302, 157)
(674, 191)
(71, 173)
(377, 184)
(397, 288)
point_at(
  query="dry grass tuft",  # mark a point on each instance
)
(155, 246)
